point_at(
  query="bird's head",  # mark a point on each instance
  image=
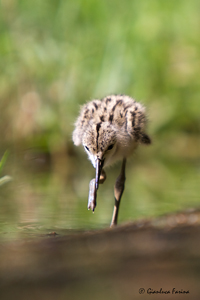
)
(100, 143)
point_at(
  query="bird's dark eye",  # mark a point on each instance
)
(86, 148)
(111, 146)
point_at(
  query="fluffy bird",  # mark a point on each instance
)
(109, 130)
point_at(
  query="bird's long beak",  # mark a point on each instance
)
(99, 166)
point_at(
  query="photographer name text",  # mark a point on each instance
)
(173, 291)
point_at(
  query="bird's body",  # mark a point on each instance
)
(110, 129)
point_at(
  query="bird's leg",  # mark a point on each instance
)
(118, 191)
(93, 191)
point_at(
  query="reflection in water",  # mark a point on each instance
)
(49, 193)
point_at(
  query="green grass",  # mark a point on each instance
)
(5, 178)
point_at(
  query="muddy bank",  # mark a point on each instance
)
(132, 261)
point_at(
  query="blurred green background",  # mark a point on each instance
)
(55, 56)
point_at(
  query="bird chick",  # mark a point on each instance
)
(109, 130)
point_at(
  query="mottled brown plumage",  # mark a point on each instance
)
(110, 129)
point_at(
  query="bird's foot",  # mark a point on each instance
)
(92, 195)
